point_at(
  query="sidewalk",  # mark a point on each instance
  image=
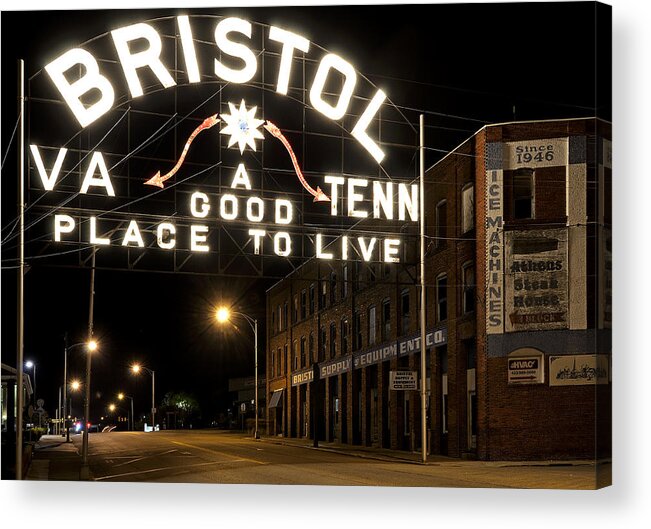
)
(55, 460)
(399, 456)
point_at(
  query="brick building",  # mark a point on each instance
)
(518, 311)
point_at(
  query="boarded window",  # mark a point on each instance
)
(467, 209)
(523, 194)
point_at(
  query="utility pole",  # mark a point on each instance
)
(20, 328)
(84, 447)
(423, 306)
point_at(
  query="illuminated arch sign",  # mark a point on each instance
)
(89, 93)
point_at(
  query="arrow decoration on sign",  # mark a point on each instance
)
(319, 196)
(158, 180)
(242, 127)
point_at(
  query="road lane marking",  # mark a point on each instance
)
(124, 474)
(212, 450)
(145, 457)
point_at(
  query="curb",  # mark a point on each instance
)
(452, 462)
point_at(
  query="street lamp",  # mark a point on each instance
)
(91, 346)
(223, 315)
(122, 396)
(136, 368)
(32, 365)
(111, 407)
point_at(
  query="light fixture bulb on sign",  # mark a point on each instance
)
(242, 125)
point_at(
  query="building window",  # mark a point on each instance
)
(273, 364)
(303, 303)
(471, 353)
(344, 335)
(468, 277)
(279, 362)
(303, 350)
(285, 315)
(356, 285)
(310, 359)
(344, 282)
(523, 194)
(333, 340)
(467, 208)
(333, 288)
(280, 318)
(273, 321)
(285, 360)
(295, 355)
(372, 274)
(323, 292)
(312, 300)
(357, 322)
(322, 344)
(295, 309)
(441, 298)
(404, 312)
(371, 325)
(441, 232)
(386, 320)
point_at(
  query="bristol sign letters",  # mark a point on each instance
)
(356, 198)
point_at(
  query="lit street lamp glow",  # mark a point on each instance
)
(75, 385)
(111, 407)
(29, 364)
(223, 314)
(92, 345)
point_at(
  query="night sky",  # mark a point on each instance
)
(463, 66)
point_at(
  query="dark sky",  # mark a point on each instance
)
(463, 65)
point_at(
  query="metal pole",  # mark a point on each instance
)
(423, 307)
(65, 388)
(153, 401)
(131, 413)
(256, 435)
(20, 331)
(84, 447)
(58, 428)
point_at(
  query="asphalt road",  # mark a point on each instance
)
(224, 457)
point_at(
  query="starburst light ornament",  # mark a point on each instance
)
(242, 125)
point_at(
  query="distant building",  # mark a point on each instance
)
(518, 224)
(242, 395)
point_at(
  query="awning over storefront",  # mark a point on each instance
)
(276, 399)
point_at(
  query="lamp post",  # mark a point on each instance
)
(136, 368)
(223, 315)
(122, 396)
(90, 346)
